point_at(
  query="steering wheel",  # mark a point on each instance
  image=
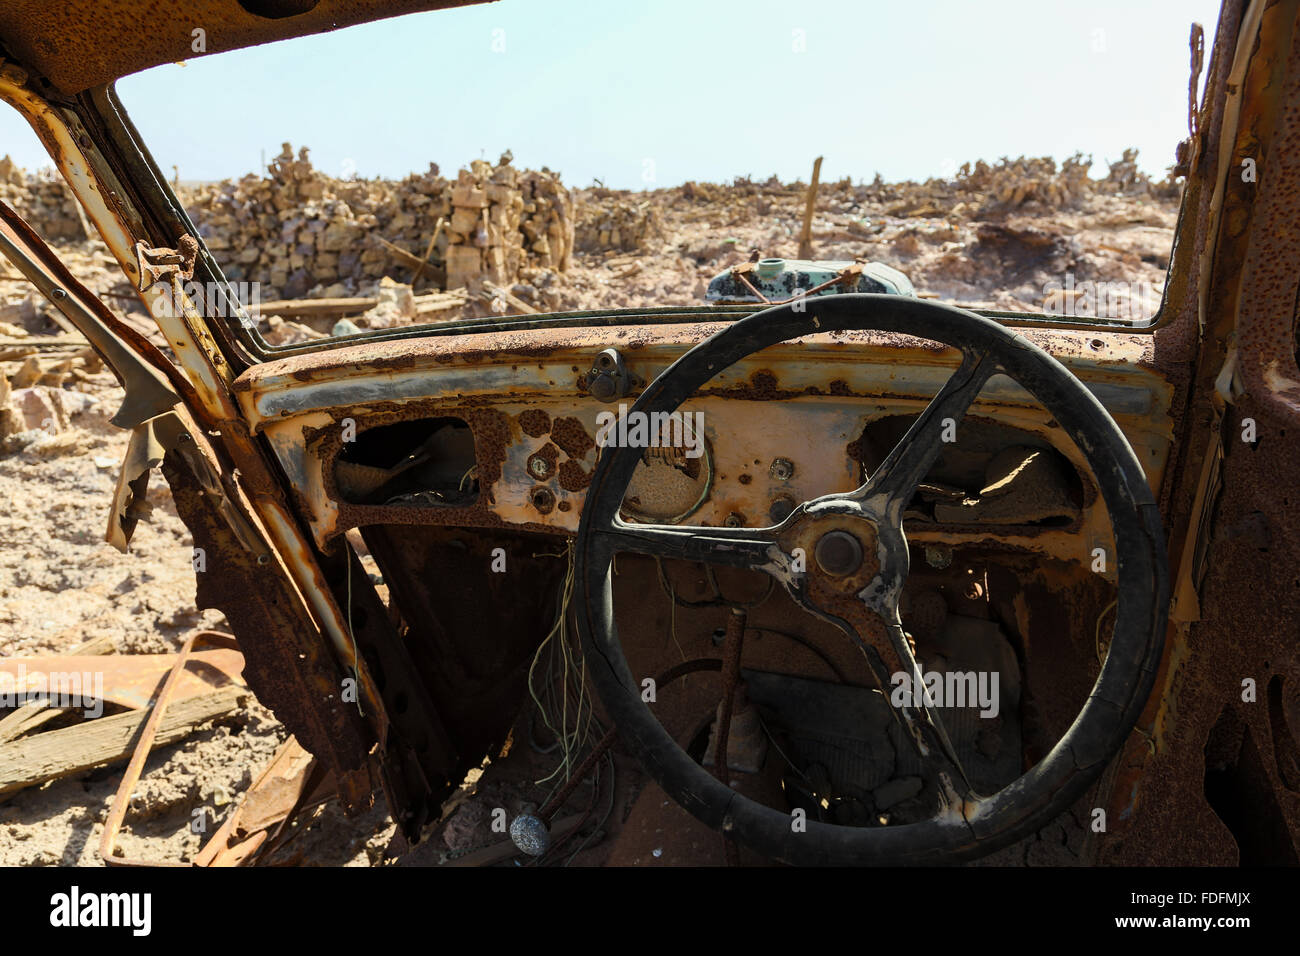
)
(851, 569)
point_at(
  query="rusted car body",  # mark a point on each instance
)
(269, 453)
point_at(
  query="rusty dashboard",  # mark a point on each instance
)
(502, 431)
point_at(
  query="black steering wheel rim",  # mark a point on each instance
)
(1078, 758)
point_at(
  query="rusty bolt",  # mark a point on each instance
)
(780, 508)
(782, 469)
(608, 378)
(538, 467)
(543, 500)
(734, 520)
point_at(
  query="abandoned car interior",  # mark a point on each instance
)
(821, 569)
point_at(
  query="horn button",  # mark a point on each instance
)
(841, 548)
(838, 553)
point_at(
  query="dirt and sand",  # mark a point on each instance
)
(1002, 241)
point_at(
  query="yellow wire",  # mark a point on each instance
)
(557, 642)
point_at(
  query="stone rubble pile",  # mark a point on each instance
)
(302, 234)
(609, 222)
(38, 396)
(1010, 184)
(44, 201)
(1015, 182)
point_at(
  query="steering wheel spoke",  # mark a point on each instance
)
(895, 480)
(918, 717)
(749, 548)
(924, 720)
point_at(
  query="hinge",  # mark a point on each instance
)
(158, 264)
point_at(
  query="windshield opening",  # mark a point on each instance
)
(418, 174)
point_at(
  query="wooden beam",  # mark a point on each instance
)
(37, 713)
(279, 791)
(320, 308)
(805, 234)
(57, 343)
(440, 301)
(129, 680)
(437, 229)
(406, 258)
(106, 740)
(496, 291)
(296, 308)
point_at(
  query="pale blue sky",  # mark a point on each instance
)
(679, 90)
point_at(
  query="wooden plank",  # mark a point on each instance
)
(57, 342)
(145, 326)
(805, 234)
(294, 308)
(129, 680)
(437, 230)
(497, 292)
(37, 713)
(107, 740)
(269, 801)
(314, 308)
(406, 258)
(25, 719)
(440, 301)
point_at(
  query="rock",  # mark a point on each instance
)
(464, 220)
(283, 332)
(396, 306)
(11, 420)
(463, 263)
(76, 403)
(297, 229)
(27, 373)
(42, 408)
(612, 224)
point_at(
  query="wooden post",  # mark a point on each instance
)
(805, 235)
